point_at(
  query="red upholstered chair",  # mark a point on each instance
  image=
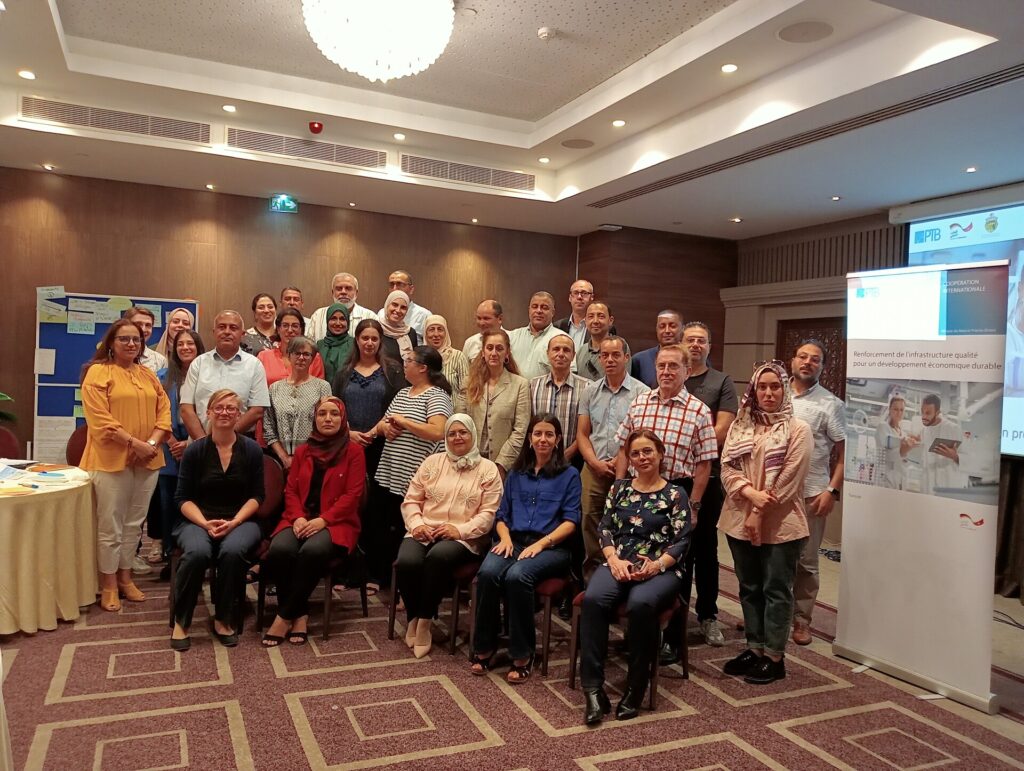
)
(9, 445)
(76, 446)
(663, 620)
(464, 577)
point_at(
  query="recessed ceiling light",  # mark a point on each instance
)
(399, 136)
(736, 219)
(837, 198)
(971, 169)
(49, 166)
(618, 123)
(544, 159)
(475, 220)
(728, 69)
(2, 6)
(351, 203)
(26, 74)
(229, 108)
(209, 187)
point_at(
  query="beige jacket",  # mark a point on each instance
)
(502, 419)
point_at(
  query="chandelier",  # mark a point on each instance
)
(380, 39)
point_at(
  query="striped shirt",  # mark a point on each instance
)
(563, 401)
(289, 418)
(402, 456)
(682, 422)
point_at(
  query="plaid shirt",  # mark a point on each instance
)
(683, 423)
(563, 401)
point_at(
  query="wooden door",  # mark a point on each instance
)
(832, 334)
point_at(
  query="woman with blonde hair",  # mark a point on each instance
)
(177, 320)
(497, 398)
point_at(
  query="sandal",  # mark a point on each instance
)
(522, 673)
(480, 665)
(109, 600)
(303, 636)
(372, 587)
(274, 639)
(252, 576)
(131, 592)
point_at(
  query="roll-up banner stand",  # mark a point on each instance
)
(925, 355)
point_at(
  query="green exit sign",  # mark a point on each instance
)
(284, 203)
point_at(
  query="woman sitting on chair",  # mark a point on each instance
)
(448, 512)
(539, 510)
(644, 534)
(320, 521)
(220, 487)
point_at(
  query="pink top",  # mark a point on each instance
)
(786, 520)
(440, 494)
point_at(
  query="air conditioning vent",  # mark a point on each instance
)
(465, 173)
(294, 147)
(66, 114)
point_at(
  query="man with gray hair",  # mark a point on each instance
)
(530, 343)
(345, 289)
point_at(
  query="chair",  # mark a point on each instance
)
(266, 516)
(76, 445)
(463, 579)
(663, 621)
(547, 590)
(333, 567)
(10, 447)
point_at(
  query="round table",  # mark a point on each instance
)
(47, 557)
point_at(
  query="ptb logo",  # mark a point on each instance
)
(927, 236)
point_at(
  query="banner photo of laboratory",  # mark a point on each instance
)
(920, 436)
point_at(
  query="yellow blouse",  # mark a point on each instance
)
(116, 397)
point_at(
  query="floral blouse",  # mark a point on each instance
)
(646, 524)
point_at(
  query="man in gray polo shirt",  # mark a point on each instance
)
(825, 414)
(226, 366)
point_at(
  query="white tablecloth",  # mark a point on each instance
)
(47, 557)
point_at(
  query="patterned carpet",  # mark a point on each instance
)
(108, 693)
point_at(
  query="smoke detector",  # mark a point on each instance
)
(546, 33)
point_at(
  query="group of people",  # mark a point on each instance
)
(547, 451)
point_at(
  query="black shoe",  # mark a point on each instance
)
(742, 664)
(165, 572)
(598, 705)
(766, 671)
(629, 707)
(565, 608)
(668, 655)
(181, 645)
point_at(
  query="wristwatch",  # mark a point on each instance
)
(833, 492)
(695, 505)
(661, 566)
(151, 442)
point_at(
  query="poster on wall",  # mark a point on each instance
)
(924, 398)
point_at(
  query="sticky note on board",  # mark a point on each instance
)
(78, 394)
(81, 323)
(79, 411)
(157, 310)
(105, 313)
(49, 292)
(45, 360)
(52, 313)
(120, 303)
(81, 304)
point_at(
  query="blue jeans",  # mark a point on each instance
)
(765, 574)
(516, 579)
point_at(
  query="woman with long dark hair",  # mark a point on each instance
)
(539, 510)
(413, 428)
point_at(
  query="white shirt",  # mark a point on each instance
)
(937, 471)
(474, 344)
(820, 409)
(578, 333)
(415, 317)
(889, 464)
(531, 351)
(316, 327)
(152, 360)
(242, 373)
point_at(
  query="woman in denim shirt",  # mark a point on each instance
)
(539, 511)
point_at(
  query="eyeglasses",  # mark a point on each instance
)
(225, 409)
(302, 355)
(643, 452)
(581, 293)
(128, 339)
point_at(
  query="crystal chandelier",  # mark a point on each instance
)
(380, 39)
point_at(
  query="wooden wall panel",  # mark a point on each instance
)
(112, 237)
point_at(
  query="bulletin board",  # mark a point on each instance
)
(69, 326)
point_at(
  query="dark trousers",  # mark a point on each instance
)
(702, 559)
(425, 573)
(169, 514)
(765, 574)
(297, 566)
(515, 580)
(382, 533)
(199, 551)
(644, 601)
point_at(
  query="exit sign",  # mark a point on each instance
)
(284, 203)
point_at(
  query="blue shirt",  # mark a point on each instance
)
(537, 504)
(642, 366)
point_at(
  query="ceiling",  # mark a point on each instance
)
(869, 113)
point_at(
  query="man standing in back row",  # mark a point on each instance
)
(488, 319)
(530, 343)
(825, 414)
(669, 331)
(345, 290)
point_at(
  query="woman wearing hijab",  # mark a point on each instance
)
(177, 320)
(893, 443)
(455, 364)
(448, 511)
(336, 347)
(399, 337)
(320, 520)
(764, 463)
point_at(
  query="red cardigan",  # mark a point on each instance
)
(340, 495)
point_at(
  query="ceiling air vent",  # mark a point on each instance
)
(326, 152)
(462, 172)
(66, 114)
